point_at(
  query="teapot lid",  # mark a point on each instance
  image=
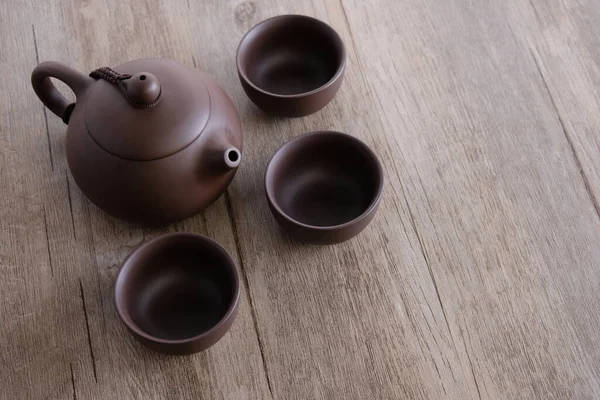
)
(154, 109)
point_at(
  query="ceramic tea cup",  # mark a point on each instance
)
(324, 187)
(178, 293)
(291, 65)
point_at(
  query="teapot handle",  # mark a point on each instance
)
(49, 94)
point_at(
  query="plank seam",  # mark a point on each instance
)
(92, 242)
(37, 59)
(48, 242)
(87, 327)
(426, 259)
(238, 249)
(565, 131)
(70, 205)
(437, 292)
(73, 382)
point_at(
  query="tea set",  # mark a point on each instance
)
(153, 141)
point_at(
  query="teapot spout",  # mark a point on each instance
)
(232, 157)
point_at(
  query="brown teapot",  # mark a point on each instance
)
(151, 141)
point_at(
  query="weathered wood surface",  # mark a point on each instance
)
(479, 277)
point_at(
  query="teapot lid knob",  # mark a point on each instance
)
(142, 90)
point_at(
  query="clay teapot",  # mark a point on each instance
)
(151, 141)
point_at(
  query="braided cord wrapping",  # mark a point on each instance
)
(109, 75)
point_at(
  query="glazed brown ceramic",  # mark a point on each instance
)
(151, 141)
(291, 65)
(178, 293)
(324, 187)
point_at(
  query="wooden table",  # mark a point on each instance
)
(479, 277)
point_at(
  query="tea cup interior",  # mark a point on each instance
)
(177, 288)
(324, 179)
(290, 55)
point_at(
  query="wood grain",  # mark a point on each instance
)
(504, 217)
(563, 39)
(477, 279)
(505, 220)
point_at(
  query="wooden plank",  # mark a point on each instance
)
(563, 38)
(505, 221)
(61, 337)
